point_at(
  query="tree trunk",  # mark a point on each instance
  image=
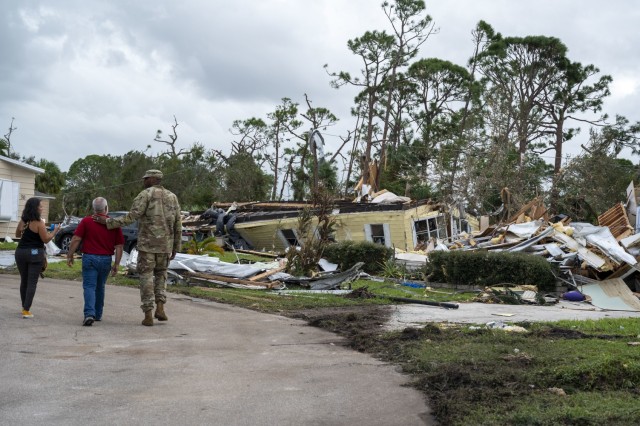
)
(557, 167)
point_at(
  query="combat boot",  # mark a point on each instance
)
(160, 312)
(148, 318)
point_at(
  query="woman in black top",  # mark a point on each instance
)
(30, 253)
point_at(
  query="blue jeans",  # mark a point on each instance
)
(95, 270)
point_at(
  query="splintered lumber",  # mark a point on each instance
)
(534, 209)
(266, 273)
(229, 280)
(257, 253)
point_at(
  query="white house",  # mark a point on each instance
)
(17, 185)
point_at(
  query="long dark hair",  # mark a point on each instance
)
(30, 211)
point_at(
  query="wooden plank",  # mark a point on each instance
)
(258, 253)
(527, 209)
(266, 273)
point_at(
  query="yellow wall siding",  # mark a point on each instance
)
(262, 235)
(349, 227)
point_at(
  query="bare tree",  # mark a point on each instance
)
(173, 138)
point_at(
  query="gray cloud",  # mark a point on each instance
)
(89, 77)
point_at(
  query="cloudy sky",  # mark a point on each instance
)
(85, 77)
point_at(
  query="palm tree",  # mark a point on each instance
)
(207, 246)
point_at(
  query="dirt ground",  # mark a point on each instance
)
(359, 324)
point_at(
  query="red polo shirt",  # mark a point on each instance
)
(96, 238)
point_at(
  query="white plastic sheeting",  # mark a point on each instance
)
(601, 237)
(52, 249)
(206, 264)
(390, 198)
(213, 265)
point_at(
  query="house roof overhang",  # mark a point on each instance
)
(256, 211)
(34, 169)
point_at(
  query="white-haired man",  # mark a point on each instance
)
(98, 246)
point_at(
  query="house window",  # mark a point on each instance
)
(433, 227)
(378, 233)
(459, 225)
(9, 194)
(289, 236)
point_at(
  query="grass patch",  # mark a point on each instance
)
(278, 302)
(272, 301)
(493, 377)
(8, 246)
(60, 270)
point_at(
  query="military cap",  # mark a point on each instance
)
(152, 173)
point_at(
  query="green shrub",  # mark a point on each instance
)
(348, 253)
(484, 268)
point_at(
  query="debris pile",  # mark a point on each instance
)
(597, 261)
(204, 270)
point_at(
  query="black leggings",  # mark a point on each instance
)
(29, 263)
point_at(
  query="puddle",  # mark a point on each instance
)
(7, 258)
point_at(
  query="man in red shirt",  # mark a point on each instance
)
(98, 245)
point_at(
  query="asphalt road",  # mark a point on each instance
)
(210, 364)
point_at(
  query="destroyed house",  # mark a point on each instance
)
(272, 226)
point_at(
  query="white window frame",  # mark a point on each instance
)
(9, 199)
(385, 228)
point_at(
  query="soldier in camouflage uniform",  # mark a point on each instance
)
(159, 237)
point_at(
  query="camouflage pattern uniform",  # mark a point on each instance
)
(159, 234)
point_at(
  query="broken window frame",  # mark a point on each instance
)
(459, 225)
(439, 231)
(289, 241)
(383, 238)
